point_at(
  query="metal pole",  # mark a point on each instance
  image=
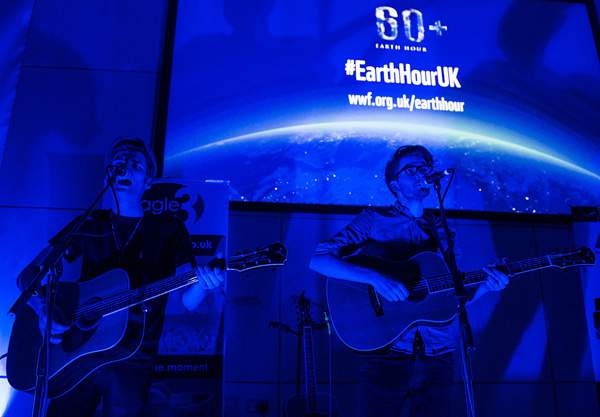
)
(466, 335)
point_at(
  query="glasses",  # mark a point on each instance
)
(412, 170)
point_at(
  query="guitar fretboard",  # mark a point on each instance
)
(445, 282)
(129, 298)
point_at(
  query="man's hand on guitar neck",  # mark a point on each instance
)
(496, 281)
(209, 277)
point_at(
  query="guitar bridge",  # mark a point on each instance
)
(375, 301)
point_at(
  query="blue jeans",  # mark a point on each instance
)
(406, 385)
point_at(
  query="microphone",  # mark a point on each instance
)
(436, 176)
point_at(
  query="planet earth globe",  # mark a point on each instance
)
(343, 163)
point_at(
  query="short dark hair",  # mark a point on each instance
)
(391, 168)
(133, 144)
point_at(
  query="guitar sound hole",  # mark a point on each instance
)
(417, 295)
(82, 330)
(89, 320)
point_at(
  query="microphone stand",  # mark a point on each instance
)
(466, 335)
(287, 329)
(51, 266)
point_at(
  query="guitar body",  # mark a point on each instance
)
(361, 327)
(297, 406)
(365, 321)
(85, 347)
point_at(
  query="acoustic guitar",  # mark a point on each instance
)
(365, 321)
(103, 327)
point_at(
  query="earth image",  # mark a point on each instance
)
(343, 163)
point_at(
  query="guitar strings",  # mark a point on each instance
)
(133, 295)
(120, 300)
(444, 281)
(441, 282)
(436, 283)
(117, 300)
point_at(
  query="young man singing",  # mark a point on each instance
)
(148, 248)
(414, 376)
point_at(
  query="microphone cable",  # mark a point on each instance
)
(330, 354)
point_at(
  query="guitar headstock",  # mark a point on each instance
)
(274, 254)
(575, 257)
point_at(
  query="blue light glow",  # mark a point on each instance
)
(510, 144)
(292, 115)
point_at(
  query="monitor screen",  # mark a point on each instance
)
(305, 101)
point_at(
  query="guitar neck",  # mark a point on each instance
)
(446, 283)
(130, 298)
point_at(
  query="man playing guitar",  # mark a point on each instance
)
(148, 248)
(413, 376)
